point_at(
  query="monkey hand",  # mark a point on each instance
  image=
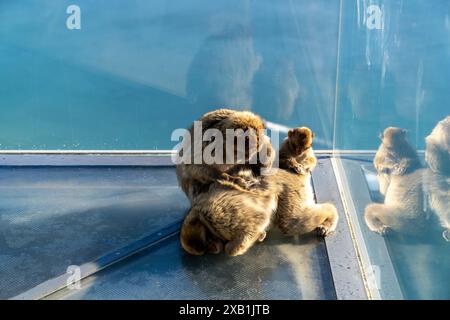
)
(402, 167)
(300, 169)
(245, 183)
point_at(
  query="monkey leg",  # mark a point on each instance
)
(213, 244)
(329, 218)
(320, 217)
(195, 179)
(238, 182)
(240, 244)
(309, 164)
(383, 182)
(193, 235)
(377, 217)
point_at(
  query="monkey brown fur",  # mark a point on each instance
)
(297, 212)
(239, 218)
(196, 239)
(401, 182)
(395, 155)
(196, 178)
(296, 153)
(242, 218)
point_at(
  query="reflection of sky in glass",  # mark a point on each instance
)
(138, 69)
(396, 76)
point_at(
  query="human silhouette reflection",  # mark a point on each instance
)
(222, 71)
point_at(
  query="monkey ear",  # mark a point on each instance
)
(313, 134)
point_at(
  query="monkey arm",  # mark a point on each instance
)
(309, 162)
(381, 162)
(387, 165)
(194, 179)
(240, 181)
(303, 165)
(266, 154)
(293, 165)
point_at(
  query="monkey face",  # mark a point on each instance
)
(248, 132)
(300, 139)
(393, 136)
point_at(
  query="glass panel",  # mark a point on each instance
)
(125, 74)
(116, 75)
(393, 70)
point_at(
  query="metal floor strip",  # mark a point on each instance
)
(88, 269)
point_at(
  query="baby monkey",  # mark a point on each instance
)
(297, 213)
(296, 152)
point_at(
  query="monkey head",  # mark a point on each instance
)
(300, 139)
(437, 152)
(245, 132)
(393, 137)
(441, 134)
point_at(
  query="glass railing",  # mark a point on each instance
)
(393, 70)
(116, 75)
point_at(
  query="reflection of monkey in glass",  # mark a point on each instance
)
(395, 156)
(437, 181)
(400, 178)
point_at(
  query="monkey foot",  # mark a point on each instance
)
(384, 231)
(323, 231)
(234, 250)
(215, 247)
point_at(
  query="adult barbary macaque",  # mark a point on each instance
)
(256, 153)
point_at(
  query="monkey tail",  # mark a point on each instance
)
(317, 217)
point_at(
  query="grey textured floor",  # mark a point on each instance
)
(51, 218)
(280, 268)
